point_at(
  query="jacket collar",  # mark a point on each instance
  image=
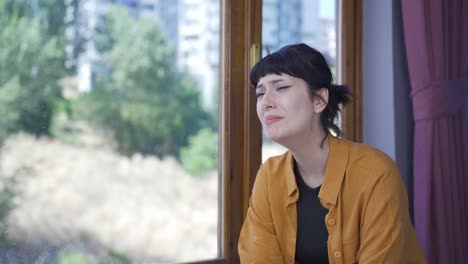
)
(334, 173)
(335, 170)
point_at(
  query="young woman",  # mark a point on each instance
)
(326, 200)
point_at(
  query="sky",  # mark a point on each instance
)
(327, 8)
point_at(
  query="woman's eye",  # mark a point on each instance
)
(259, 95)
(282, 88)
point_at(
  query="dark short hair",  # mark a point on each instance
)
(308, 64)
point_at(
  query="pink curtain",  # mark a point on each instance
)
(436, 38)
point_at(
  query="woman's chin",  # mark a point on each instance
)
(275, 137)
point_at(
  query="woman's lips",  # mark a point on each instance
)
(272, 119)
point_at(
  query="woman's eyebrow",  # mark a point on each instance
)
(270, 82)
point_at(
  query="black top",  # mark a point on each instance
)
(312, 234)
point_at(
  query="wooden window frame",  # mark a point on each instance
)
(239, 129)
(350, 65)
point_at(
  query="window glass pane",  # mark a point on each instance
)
(286, 22)
(109, 131)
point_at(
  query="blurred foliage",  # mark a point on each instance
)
(72, 258)
(114, 257)
(142, 99)
(32, 56)
(147, 104)
(9, 93)
(7, 193)
(214, 111)
(82, 257)
(138, 95)
(201, 155)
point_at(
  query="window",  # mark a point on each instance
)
(113, 156)
(310, 22)
(111, 151)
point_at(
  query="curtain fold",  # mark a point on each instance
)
(436, 39)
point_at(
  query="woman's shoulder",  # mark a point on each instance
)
(277, 162)
(276, 170)
(368, 158)
(368, 166)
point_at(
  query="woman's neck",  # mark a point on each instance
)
(312, 157)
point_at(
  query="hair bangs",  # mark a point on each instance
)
(275, 63)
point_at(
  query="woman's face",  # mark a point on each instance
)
(285, 107)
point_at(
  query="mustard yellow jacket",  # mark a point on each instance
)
(368, 218)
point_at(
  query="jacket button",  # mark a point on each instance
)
(337, 254)
(331, 222)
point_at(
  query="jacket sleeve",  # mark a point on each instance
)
(258, 242)
(386, 226)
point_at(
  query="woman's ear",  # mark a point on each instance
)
(320, 100)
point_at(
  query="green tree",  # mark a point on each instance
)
(7, 195)
(201, 155)
(148, 105)
(9, 92)
(32, 56)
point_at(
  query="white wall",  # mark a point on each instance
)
(387, 114)
(378, 77)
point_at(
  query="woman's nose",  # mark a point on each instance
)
(268, 100)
